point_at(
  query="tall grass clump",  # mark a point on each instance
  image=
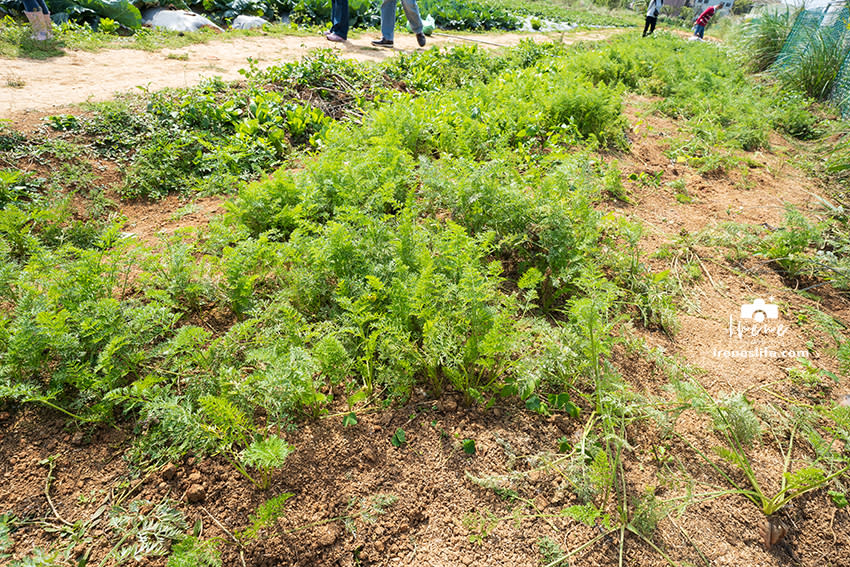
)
(838, 162)
(814, 68)
(761, 38)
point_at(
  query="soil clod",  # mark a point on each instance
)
(169, 472)
(196, 494)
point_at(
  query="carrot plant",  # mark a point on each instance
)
(739, 427)
(243, 445)
(449, 236)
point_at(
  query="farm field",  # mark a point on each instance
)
(577, 300)
(97, 76)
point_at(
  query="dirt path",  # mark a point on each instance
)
(84, 76)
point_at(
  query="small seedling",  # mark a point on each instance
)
(552, 553)
(15, 82)
(647, 179)
(64, 122)
(195, 553)
(469, 446)
(480, 525)
(399, 438)
(7, 526)
(349, 420)
(682, 195)
(267, 514)
(838, 498)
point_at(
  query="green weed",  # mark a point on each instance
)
(192, 552)
(144, 530)
(551, 553)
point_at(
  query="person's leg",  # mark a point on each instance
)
(339, 18)
(388, 19)
(700, 31)
(646, 25)
(32, 11)
(652, 25)
(411, 10)
(47, 23)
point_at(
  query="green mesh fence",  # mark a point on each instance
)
(836, 23)
(827, 29)
(838, 31)
(841, 92)
(805, 25)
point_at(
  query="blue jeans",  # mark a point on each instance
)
(699, 30)
(411, 10)
(35, 6)
(339, 18)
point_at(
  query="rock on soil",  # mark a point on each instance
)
(327, 536)
(196, 494)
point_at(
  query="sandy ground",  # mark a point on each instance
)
(83, 76)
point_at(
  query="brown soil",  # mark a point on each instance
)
(149, 221)
(82, 76)
(336, 473)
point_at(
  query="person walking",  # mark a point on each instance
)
(411, 10)
(653, 10)
(339, 21)
(702, 20)
(39, 18)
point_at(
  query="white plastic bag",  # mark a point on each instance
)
(427, 25)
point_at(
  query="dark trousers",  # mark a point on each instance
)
(35, 6)
(650, 25)
(339, 18)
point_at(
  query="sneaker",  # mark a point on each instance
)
(383, 42)
(334, 37)
(420, 39)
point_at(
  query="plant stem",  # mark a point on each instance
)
(591, 542)
(47, 482)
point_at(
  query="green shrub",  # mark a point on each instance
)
(792, 115)
(788, 244)
(468, 15)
